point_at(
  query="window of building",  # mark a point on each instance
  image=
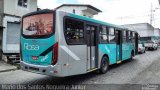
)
(112, 37)
(23, 3)
(103, 34)
(74, 31)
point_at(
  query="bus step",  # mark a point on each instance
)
(92, 70)
(120, 61)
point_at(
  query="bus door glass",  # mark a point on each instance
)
(136, 43)
(119, 45)
(91, 46)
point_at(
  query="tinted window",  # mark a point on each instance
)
(124, 36)
(103, 34)
(74, 31)
(133, 37)
(38, 25)
(129, 36)
(112, 37)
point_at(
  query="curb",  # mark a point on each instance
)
(13, 69)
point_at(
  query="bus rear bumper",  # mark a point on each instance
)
(45, 70)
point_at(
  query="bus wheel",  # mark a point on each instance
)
(104, 65)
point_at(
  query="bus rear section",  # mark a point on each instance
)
(38, 46)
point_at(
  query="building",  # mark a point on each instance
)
(11, 12)
(145, 30)
(79, 9)
(157, 32)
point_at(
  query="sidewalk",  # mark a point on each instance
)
(4, 67)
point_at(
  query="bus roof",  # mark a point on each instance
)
(95, 21)
(38, 12)
(78, 17)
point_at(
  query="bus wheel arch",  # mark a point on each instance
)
(104, 65)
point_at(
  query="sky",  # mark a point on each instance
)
(118, 12)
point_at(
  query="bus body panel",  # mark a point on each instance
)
(125, 53)
(127, 49)
(118, 53)
(71, 57)
(110, 50)
(77, 59)
(45, 70)
(32, 48)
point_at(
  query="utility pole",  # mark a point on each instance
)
(151, 16)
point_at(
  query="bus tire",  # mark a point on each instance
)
(104, 65)
(156, 48)
(144, 51)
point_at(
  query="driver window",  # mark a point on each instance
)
(74, 31)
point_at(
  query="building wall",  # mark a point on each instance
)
(8, 47)
(88, 14)
(1, 35)
(157, 32)
(1, 12)
(11, 7)
(78, 10)
(144, 29)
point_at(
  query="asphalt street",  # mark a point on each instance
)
(137, 71)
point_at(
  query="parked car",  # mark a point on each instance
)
(151, 45)
(141, 48)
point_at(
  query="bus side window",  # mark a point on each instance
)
(103, 34)
(133, 37)
(112, 37)
(74, 31)
(127, 36)
(124, 36)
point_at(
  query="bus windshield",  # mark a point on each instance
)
(38, 25)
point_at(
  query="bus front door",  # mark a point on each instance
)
(136, 43)
(119, 46)
(91, 46)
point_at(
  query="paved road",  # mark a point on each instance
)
(128, 72)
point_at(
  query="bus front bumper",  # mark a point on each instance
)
(51, 70)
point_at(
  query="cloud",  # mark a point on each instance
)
(123, 11)
(48, 4)
(114, 11)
